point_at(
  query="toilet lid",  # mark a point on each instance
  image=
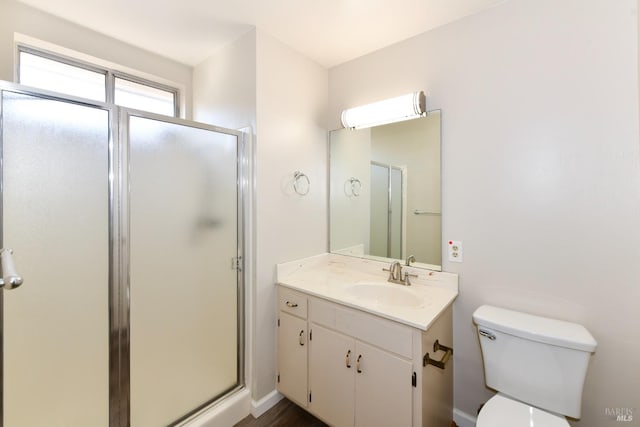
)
(501, 411)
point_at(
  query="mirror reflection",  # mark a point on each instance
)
(385, 191)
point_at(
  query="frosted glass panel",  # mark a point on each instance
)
(379, 210)
(386, 211)
(55, 217)
(183, 236)
(396, 214)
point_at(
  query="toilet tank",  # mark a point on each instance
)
(537, 360)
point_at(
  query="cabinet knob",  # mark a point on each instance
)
(347, 361)
(358, 364)
(301, 337)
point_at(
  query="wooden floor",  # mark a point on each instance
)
(284, 414)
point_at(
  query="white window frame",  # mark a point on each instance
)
(109, 73)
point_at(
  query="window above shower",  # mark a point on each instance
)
(50, 71)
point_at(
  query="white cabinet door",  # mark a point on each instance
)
(292, 358)
(383, 388)
(331, 376)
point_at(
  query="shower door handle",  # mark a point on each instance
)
(10, 279)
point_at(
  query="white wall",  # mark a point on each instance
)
(225, 85)
(20, 18)
(350, 218)
(291, 135)
(541, 175)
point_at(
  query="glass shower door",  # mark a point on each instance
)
(55, 216)
(387, 216)
(395, 213)
(379, 223)
(127, 232)
(183, 240)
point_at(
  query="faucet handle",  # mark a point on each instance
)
(390, 271)
(407, 275)
(395, 271)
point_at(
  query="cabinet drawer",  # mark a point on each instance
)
(380, 332)
(292, 302)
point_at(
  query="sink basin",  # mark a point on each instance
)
(385, 294)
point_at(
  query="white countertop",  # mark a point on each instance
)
(332, 277)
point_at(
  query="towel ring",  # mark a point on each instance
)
(297, 178)
(353, 188)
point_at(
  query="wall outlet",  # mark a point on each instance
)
(455, 250)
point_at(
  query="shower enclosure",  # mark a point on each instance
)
(127, 230)
(387, 226)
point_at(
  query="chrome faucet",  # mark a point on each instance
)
(395, 274)
(410, 259)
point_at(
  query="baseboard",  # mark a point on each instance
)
(463, 419)
(263, 405)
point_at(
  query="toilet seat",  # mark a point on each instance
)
(501, 411)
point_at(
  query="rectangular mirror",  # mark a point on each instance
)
(385, 192)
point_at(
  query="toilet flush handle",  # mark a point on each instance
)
(487, 334)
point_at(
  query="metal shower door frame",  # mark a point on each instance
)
(118, 191)
(120, 401)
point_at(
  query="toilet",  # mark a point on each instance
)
(536, 364)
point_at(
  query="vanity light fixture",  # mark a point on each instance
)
(405, 107)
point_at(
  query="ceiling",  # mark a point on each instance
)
(329, 32)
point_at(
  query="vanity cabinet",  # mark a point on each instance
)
(359, 369)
